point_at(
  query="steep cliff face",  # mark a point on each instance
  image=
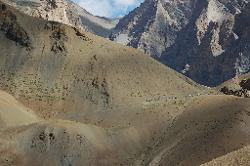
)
(66, 12)
(206, 40)
(152, 27)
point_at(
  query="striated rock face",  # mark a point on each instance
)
(207, 40)
(66, 12)
(152, 27)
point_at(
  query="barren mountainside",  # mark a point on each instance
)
(207, 40)
(69, 97)
(239, 157)
(59, 64)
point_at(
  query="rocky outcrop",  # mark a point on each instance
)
(207, 40)
(11, 28)
(58, 37)
(239, 86)
(236, 92)
(245, 84)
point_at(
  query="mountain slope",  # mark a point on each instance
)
(105, 104)
(210, 126)
(207, 40)
(198, 135)
(239, 157)
(67, 12)
(13, 114)
(60, 68)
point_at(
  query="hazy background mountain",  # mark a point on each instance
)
(207, 40)
(67, 12)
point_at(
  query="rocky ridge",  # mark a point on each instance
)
(207, 40)
(67, 12)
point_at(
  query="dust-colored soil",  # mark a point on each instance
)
(94, 102)
(211, 126)
(238, 157)
(13, 114)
